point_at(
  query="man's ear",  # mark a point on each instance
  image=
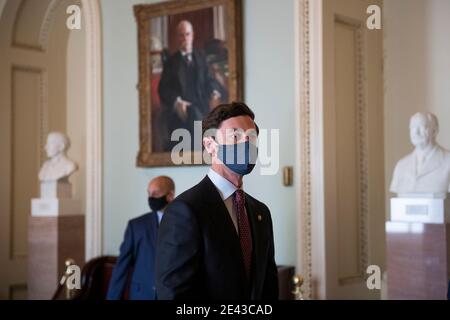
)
(209, 145)
(170, 196)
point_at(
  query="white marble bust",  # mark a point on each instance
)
(426, 171)
(59, 166)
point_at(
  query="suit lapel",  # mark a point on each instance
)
(153, 228)
(181, 72)
(223, 224)
(221, 215)
(258, 258)
(199, 66)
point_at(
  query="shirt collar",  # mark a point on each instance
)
(160, 214)
(225, 187)
(184, 53)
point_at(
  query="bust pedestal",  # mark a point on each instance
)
(56, 200)
(418, 248)
(55, 233)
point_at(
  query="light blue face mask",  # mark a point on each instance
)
(239, 157)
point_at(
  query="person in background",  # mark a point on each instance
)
(137, 252)
(187, 89)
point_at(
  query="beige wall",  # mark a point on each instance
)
(76, 110)
(2, 4)
(41, 89)
(416, 71)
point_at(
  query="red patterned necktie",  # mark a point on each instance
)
(245, 235)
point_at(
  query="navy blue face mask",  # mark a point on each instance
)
(239, 157)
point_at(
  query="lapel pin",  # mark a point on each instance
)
(259, 217)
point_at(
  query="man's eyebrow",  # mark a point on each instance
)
(240, 129)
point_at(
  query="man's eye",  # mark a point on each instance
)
(235, 135)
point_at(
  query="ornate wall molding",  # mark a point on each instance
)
(311, 255)
(363, 142)
(46, 24)
(362, 152)
(45, 27)
(14, 42)
(39, 74)
(305, 149)
(44, 115)
(94, 127)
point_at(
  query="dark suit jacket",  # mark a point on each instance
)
(198, 253)
(137, 255)
(176, 82)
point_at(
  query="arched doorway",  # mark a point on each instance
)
(50, 81)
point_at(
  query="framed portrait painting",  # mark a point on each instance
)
(190, 61)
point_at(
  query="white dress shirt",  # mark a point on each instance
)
(160, 215)
(226, 190)
(188, 54)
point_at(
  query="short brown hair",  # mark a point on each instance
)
(226, 111)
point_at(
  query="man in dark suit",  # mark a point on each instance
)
(216, 241)
(137, 252)
(187, 88)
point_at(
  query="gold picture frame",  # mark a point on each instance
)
(217, 29)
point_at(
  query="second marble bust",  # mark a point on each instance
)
(427, 169)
